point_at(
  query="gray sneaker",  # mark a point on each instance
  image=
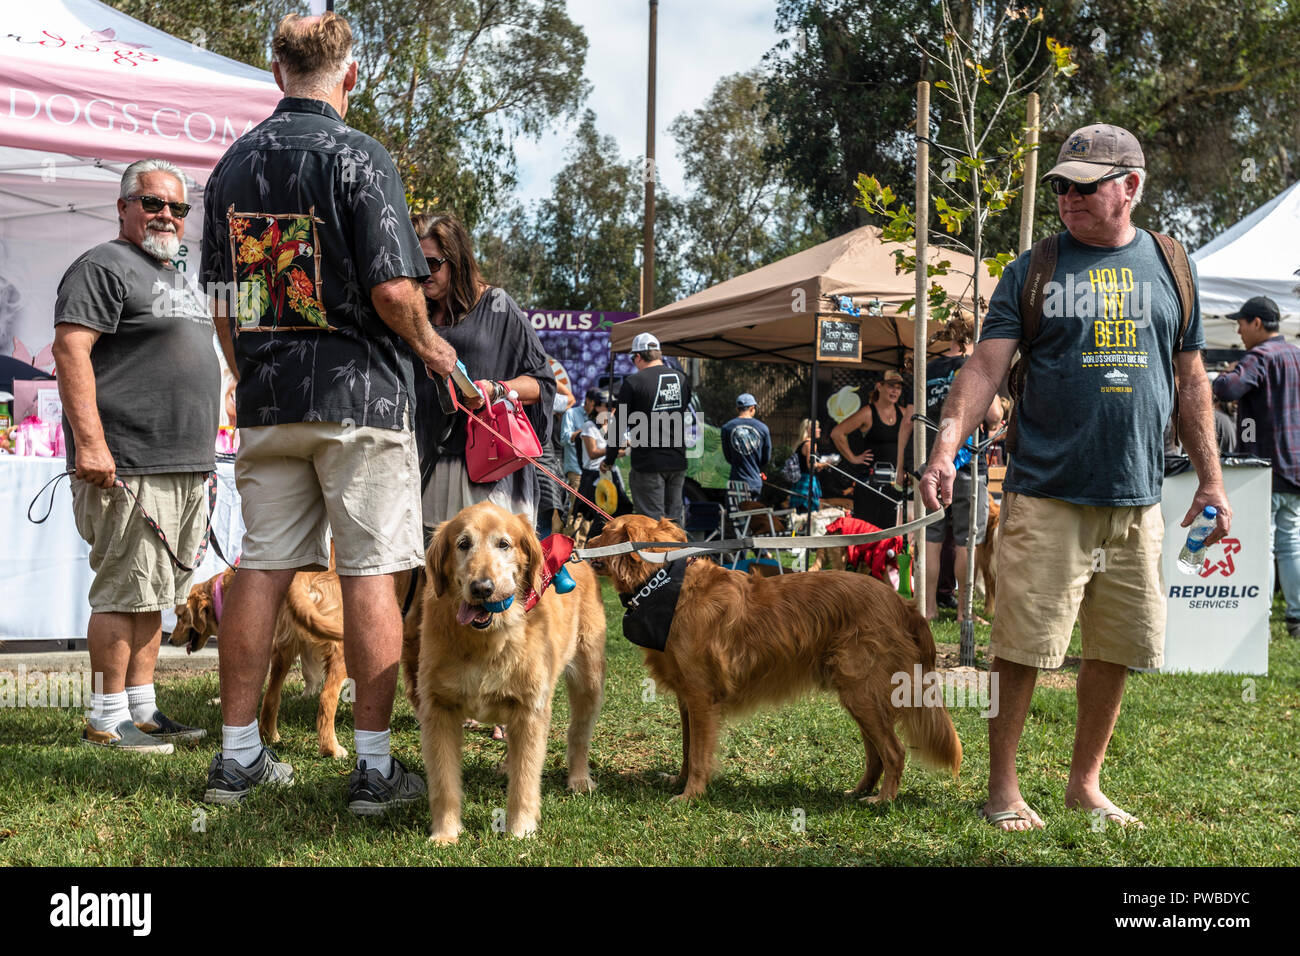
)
(162, 727)
(229, 781)
(125, 736)
(371, 794)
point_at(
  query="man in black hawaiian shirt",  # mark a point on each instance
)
(306, 236)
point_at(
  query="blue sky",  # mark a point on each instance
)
(699, 42)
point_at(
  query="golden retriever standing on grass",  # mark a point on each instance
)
(740, 641)
(309, 626)
(502, 666)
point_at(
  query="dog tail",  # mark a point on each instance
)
(307, 615)
(928, 728)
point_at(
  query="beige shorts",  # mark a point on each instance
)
(1058, 561)
(302, 482)
(133, 573)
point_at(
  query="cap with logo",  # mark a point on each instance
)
(1090, 153)
(644, 343)
(1260, 307)
(745, 400)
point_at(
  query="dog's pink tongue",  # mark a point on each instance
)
(465, 616)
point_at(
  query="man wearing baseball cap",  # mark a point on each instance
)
(1266, 386)
(747, 444)
(1083, 489)
(653, 411)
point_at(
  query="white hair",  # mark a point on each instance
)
(131, 176)
(1142, 181)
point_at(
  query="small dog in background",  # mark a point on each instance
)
(308, 627)
(739, 641)
(986, 560)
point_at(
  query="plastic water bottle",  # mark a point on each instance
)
(1192, 556)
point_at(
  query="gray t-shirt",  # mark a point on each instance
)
(1100, 379)
(157, 380)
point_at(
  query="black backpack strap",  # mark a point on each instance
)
(1042, 266)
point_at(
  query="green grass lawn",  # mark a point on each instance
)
(1212, 775)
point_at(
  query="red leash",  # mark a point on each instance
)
(532, 461)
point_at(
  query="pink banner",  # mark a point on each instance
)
(124, 116)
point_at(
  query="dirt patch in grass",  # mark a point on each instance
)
(948, 656)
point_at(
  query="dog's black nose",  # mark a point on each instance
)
(481, 589)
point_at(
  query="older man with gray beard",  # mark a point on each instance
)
(141, 386)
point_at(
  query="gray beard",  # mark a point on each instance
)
(163, 246)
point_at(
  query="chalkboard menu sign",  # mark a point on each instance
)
(839, 340)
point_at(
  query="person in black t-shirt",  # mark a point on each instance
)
(653, 412)
(498, 345)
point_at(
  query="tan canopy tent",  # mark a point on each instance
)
(770, 314)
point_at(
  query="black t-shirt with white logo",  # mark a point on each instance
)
(654, 411)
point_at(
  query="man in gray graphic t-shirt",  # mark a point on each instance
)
(141, 386)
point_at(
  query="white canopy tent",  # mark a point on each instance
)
(84, 91)
(1260, 255)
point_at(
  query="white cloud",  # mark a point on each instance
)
(699, 42)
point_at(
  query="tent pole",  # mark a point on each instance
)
(812, 447)
(1031, 175)
(919, 327)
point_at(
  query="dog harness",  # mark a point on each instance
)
(650, 610)
(556, 549)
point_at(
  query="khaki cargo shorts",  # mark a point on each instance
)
(133, 572)
(303, 482)
(1058, 561)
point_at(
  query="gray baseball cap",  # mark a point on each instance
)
(1095, 151)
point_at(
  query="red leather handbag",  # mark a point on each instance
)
(487, 457)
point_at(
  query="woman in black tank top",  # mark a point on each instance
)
(868, 436)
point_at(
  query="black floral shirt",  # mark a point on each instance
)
(303, 216)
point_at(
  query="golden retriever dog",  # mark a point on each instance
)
(309, 627)
(502, 666)
(740, 641)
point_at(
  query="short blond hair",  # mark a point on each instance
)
(313, 52)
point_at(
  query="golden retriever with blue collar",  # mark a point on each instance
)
(501, 666)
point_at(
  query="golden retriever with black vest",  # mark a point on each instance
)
(501, 666)
(739, 641)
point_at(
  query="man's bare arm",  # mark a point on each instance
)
(76, 376)
(400, 303)
(1196, 430)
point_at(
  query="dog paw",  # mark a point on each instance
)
(445, 837)
(875, 798)
(338, 752)
(582, 784)
(523, 828)
(682, 798)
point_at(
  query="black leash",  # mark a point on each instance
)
(148, 518)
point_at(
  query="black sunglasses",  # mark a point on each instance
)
(154, 204)
(1062, 186)
(434, 263)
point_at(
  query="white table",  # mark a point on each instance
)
(45, 571)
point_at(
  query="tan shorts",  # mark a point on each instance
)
(1058, 561)
(132, 570)
(302, 482)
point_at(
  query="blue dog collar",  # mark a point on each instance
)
(496, 607)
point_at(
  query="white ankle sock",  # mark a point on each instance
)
(143, 702)
(108, 710)
(241, 743)
(374, 747)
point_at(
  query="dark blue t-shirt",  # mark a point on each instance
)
(747, 444)
(1100, 379)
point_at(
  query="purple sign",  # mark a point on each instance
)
(579, 341)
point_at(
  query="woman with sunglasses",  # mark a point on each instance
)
(498, 346)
